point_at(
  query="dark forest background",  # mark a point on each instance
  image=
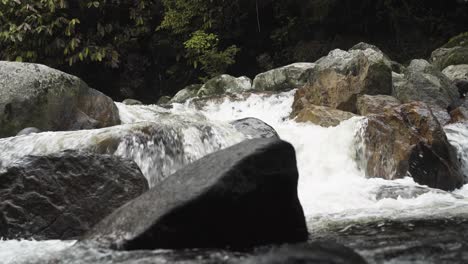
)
(145, 49)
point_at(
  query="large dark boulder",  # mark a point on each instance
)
(409, 141)
(33, 95)
(61, 196)
(243, 196)
(254, 128)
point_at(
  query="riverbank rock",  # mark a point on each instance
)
(225, 84)
(455, 52)
(375, 104)
(423, 82)
(342, 76)
(409, 141)
(456, 72)
(323, 116)
(61, 196)
(33, 95)
(254, 128)
(239, 197)
(131, 102)
(187, 93)
(285, 78)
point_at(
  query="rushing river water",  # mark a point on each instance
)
(332, 188)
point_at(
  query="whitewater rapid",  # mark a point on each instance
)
(332, 188)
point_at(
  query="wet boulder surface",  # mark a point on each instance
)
(240, 197)
(254, 128)
(409, 141)
(428, 240)
(61, 196)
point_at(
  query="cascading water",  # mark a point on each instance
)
(332, 188)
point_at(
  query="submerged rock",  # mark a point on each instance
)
(409, 141)
(240, 197)
(285, 78)
(318, 252)
(33, 95)
(62, 196)
(313, 253)
(225, 84)
(323, 116)
(375, 104)
(254, 128)
(342, 76)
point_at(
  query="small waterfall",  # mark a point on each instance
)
(458, 137)
(158, 141)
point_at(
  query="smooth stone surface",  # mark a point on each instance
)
(254, 128)
(240, 197)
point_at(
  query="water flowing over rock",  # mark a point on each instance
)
(33, 95)
(243, 196)
(323, 116)
(285, 78)
(342, 76)
(254, 128)
(225, 84)
(409, 141)
(62, 196)
(456, 72)
(375, 104)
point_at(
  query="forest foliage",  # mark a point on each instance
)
(149, 48)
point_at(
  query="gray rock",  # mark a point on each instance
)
(187, 93)
(131, 102)
(285, 78)
(225, 84)
(240, 197)
(164, 100)
(445, 57)
(61, 196)
(33, 95)
(342, 76)
(254, 128)
(455, 72)
(423, 82)
(375, 104)
(28, 130)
